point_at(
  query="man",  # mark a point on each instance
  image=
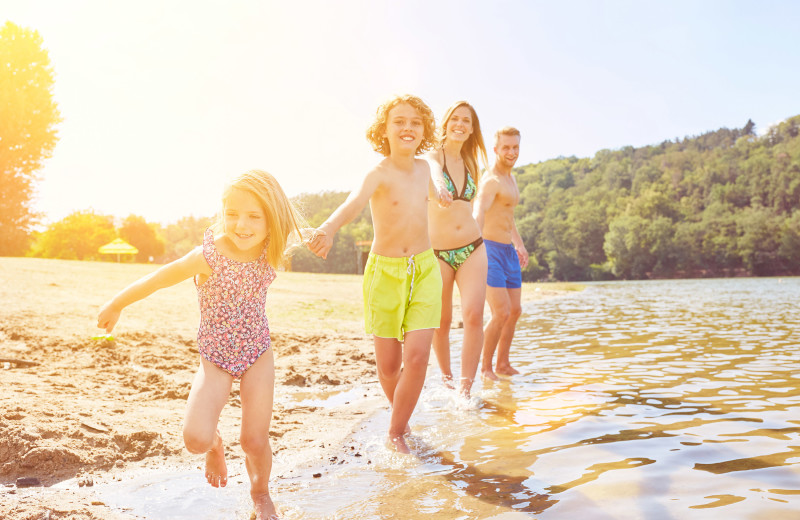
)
(497, 197)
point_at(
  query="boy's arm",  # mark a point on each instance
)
(174, 272)
(486, 195)
(322, 240)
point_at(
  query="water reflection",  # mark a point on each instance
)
(645, 400)
(641, 400)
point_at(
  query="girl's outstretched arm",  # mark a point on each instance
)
(174, 272)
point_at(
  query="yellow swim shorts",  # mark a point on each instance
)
(402, 294)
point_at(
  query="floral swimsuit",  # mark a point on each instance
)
(455, 258)
(233, 329)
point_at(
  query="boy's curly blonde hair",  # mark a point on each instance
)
(378, 128)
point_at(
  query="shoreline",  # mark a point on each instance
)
(92, 409)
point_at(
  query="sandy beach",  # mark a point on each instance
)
(78, 409)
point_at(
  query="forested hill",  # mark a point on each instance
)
(723, 203)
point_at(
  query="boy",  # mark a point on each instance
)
(402, 283)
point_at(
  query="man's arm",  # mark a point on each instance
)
(519, 246)
(322, 240)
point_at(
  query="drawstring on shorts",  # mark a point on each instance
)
(411, 270)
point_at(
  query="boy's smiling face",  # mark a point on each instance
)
(405, 128)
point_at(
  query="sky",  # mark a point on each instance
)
(163, 100)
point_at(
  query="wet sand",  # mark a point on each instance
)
(76, 410)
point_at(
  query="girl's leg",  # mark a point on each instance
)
(415, 355)
(441, 336)
(209, 393)
(471, 279)
(257, 391)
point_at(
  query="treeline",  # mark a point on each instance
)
(720, 204)
(724, 203)
(79, 235)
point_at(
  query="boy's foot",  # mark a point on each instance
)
(506, 370)
(216, 469)
(397, 444)
(448, 381)
(264, 508)
(490, 375)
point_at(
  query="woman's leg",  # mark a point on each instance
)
(257, 391)
(209, 393)
(471, 279)
(441, 336)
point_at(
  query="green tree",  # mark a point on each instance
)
(143, 236)
(28, 118)
(77, 236)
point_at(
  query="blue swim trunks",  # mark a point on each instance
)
(504, 268)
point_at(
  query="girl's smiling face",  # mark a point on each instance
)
(245, 221)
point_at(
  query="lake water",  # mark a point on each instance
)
(637, 400)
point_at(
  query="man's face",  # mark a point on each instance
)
(507, 150)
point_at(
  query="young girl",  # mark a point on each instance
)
(232, 271)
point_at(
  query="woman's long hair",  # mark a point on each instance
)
(473, 148)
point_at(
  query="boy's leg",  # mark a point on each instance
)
(415, 354)
(257, 390)
(388, 362)
(209, 393)
(507, 334)
(500, 305)
(470, 278)
(441, 336)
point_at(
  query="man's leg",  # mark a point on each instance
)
(500, 305)
(507, 333)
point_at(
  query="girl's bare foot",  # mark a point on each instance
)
(216, 469)
(265, 509)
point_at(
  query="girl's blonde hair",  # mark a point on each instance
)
(473, 147)
(285, 226)
(378, 127)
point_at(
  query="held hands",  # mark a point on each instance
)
(108, 317)
(320, 243)
(442, 193)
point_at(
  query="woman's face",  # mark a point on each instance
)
(459, 126)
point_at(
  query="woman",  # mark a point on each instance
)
(456, 238)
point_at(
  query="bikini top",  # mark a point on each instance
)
(468, 192)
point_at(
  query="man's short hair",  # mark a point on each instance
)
(506, 130)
